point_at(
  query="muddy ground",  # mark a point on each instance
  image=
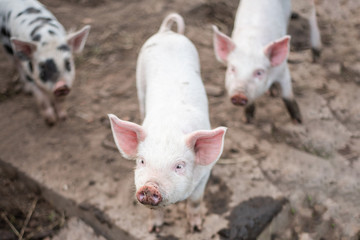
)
(24, 212)
(314, 166)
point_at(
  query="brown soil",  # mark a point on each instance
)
(327, 92)
(24, 211)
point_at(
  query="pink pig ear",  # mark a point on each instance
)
(127, 136)
(223, 45)
(207, 145)
(278, 51)
(77, 40)
(26, 48)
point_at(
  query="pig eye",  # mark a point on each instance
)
(232, 69)
(180, 168)
(141, 162)
(67, 65)
(259, 73)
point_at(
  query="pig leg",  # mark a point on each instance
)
(194, 206)
(60, 108)
(288, 97)
(274, 90)
(315, 37)
(44, 104)
(156, 220)
(21, 82)
(249, 113)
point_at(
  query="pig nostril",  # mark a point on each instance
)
(239, 100)
(155, 197)
(141, 196)
(62, 91)
(234, 100)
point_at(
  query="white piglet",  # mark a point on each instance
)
(174, 148)
(256, 55)
(42, 52)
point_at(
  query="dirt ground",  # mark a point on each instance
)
(315, 166)
(24, 210)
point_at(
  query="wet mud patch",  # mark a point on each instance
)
(251, 217)
(24, 212)
(217, 195)
(349, 154)
(299, 30)
(168, 237)
(307, 221)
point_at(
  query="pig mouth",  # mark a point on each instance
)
(62, 91)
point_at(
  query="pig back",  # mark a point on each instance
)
(168, 66)
(265, 19)
(23, 18)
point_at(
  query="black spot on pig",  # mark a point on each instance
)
(29, 10)
(5, 32)
(29, 79)
(9, 15)
(48, 71)
(40, 19)
(64, 48)
(67, 65)
(218, 197)
(54, 25)
(36, 38)
(8, 49)
(37, 28)
(251, 217)
(51, 32)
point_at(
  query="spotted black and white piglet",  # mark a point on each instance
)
(42, 52)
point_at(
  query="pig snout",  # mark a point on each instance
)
(61, 89)
(149, 195)
(239, 99)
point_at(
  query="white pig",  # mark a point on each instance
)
(174, 148)
(256, 55)
(42, 51)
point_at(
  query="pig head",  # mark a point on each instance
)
(250, 69)
(170, 165)
(50, 66)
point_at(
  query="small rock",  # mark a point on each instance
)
(319, 209)
(305, 236)
(334, 68)
(215, 91)
(87, 20)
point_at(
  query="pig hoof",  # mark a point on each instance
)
(50, 122)
(249, 113)
(297, 121)
(62, 116)
(195, 223)
(154, 229)
(248, 120)
(50, 117)
(316, 53)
